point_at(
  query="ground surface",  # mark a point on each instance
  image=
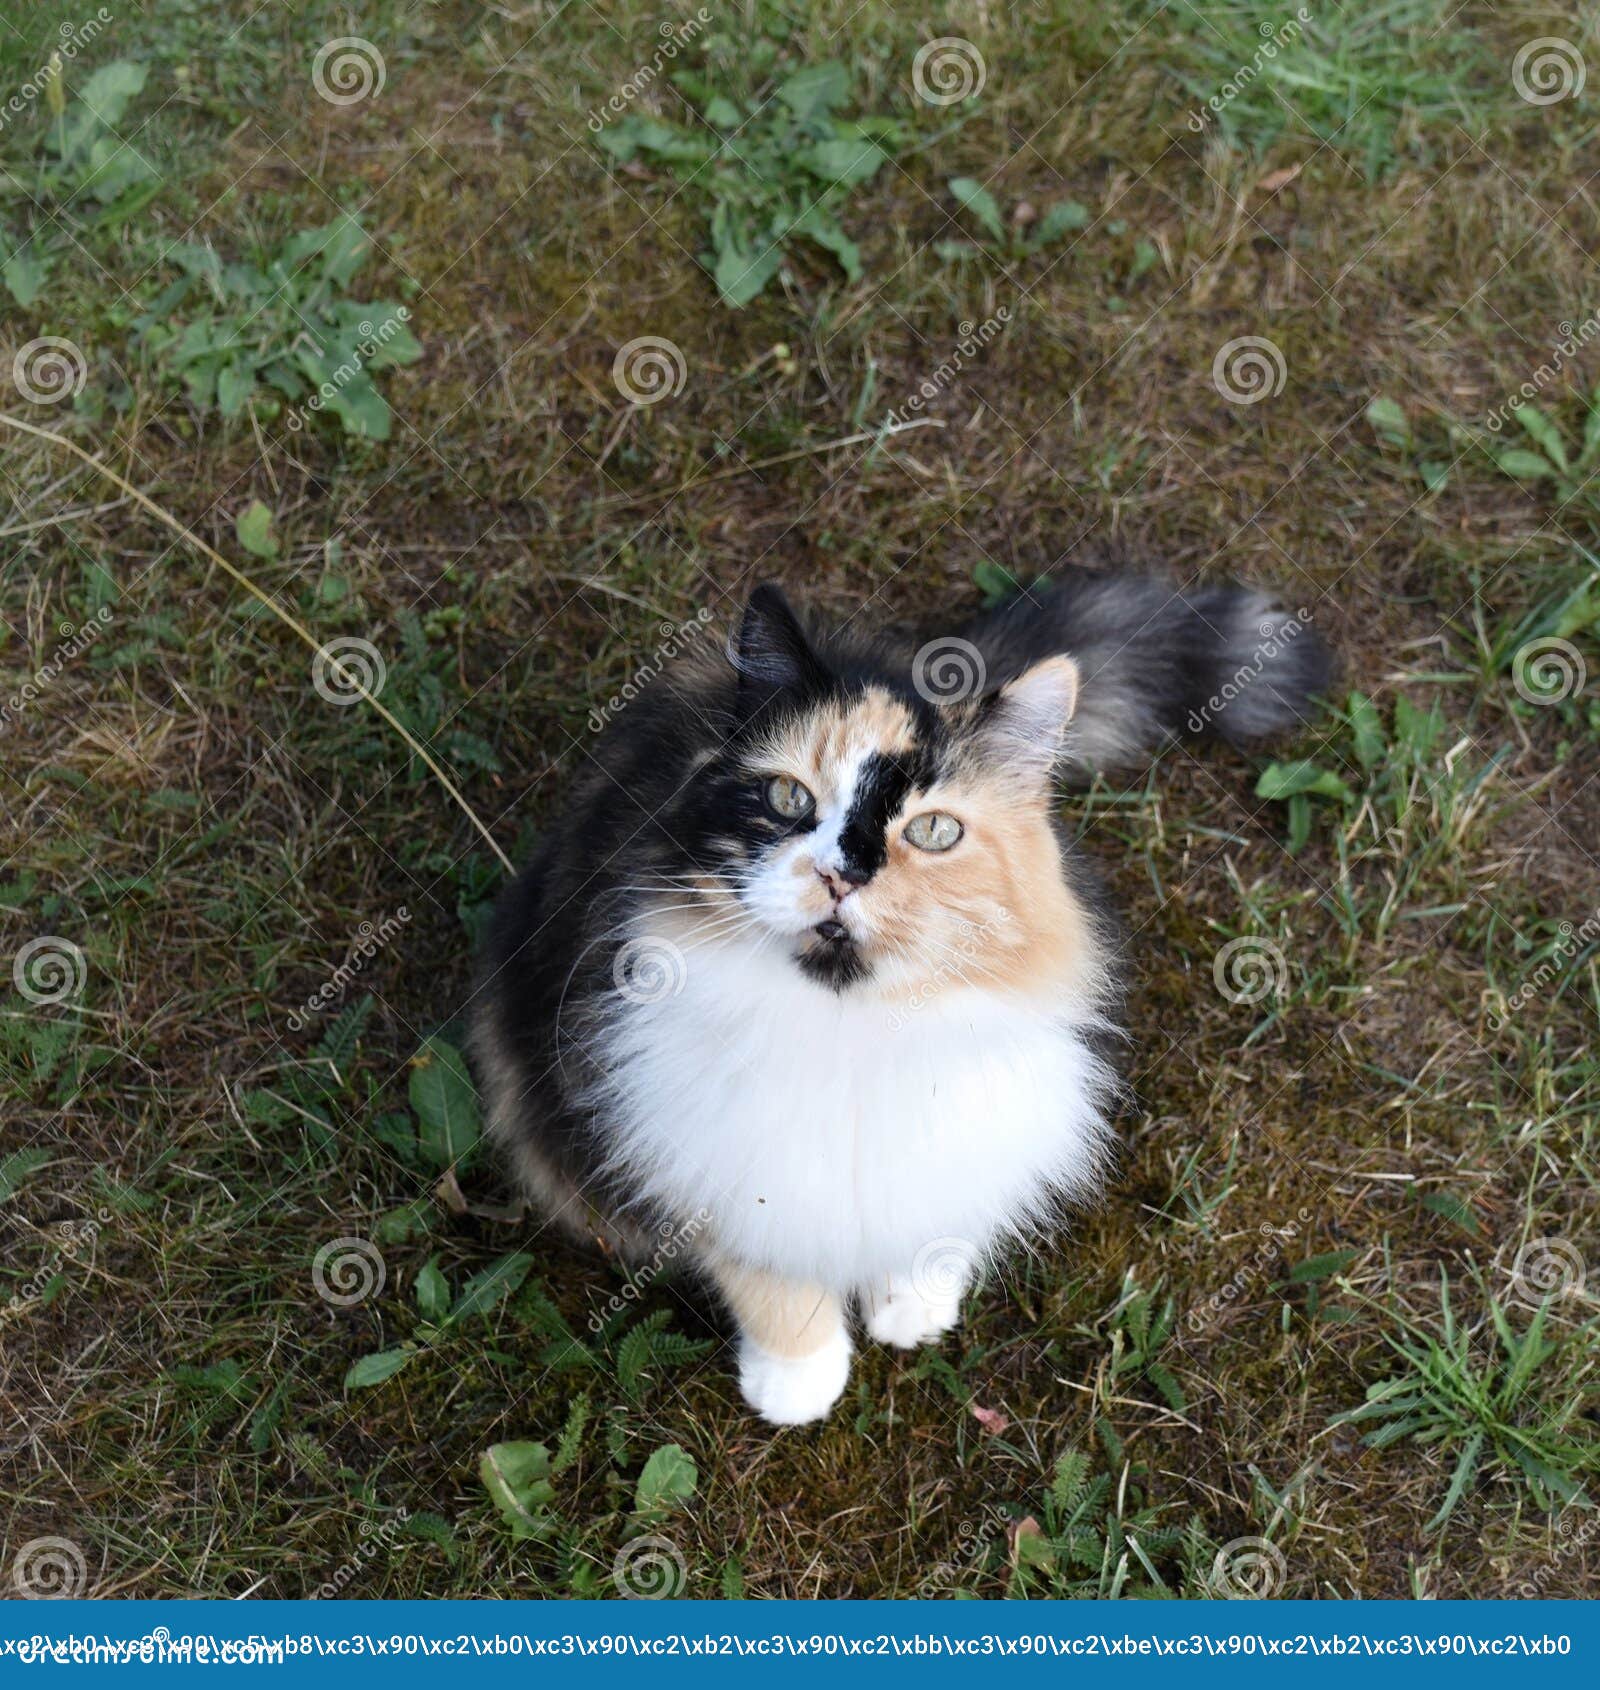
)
(1364, 1144)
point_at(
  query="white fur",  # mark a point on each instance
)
(905, 1312)
(791, 1390)
(836, 1138)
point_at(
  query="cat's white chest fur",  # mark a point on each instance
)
(835, 1138)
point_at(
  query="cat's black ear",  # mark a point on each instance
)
(1025, 723)
(773, 654)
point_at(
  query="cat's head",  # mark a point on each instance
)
(885, 837)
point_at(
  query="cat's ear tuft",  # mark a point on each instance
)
(1025, 722)
(773, 654)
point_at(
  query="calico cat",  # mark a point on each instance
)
(806, 985)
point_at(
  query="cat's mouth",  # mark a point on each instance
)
(831, 955)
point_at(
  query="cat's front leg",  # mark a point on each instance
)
(917, 1307)
(794, 1347)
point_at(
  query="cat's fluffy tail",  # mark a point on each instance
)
(1157, 662)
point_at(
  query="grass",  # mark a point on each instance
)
(269, 1319)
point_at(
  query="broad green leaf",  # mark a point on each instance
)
(347, 248)
(819, 227)
(635, 135)
(1284, 780)
(741, 274)
(722, 113)
(100, 105)
(444, 1102)
(253, 525)
(1416, 729)
(24, 274)
(1591, 426)
(1544, 433)
(1299, 824)
(1435, 473)
(400, 1226)
(974, 197)
(21, 1165)
(1316, 1268)
(669, 1480)
(1466, 1467)
(1523, 465)
(433, 1292)
(1366, 729)
(114, 167)
(849, 162)
(360, 407)
(1453, 1208)
(517, 1478)
(374, 1369)
(497, 1281)
(1388, 420)
(235, 383)
(815, 91)
(1063, 218)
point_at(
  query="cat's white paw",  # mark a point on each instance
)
(791, 1390)
(899, 1313)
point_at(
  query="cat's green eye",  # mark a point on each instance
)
(933, 830)
(789, 799)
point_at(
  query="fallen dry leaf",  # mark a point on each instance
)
(990, 1419)
(1276, 179)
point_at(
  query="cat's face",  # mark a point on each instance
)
(890, 845)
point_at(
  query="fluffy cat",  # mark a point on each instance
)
(806, 977)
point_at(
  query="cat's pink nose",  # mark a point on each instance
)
(840, 884)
